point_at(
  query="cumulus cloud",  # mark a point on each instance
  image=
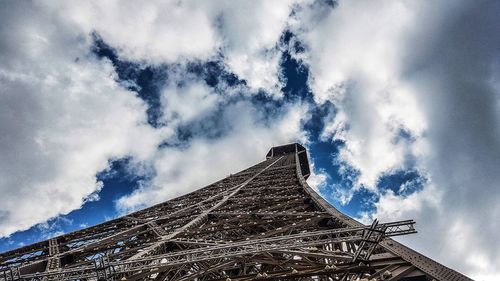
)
(62, 116)
(414, 85)
(318, 178)
(454, 76)
(184, 169)
(354, 64)
(250, 32)
(418, 80)
(154, 32)
(245, 35)
(65, 115)
(188, 102)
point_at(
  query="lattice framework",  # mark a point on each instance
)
(264, 222)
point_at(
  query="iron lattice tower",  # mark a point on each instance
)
(263, 223)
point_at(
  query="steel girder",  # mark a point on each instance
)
(264, 222)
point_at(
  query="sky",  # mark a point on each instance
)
(107, 107)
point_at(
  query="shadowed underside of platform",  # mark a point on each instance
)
(262, 223)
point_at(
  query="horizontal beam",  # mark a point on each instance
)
(241, 248)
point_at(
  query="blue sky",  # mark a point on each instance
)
(106, 108)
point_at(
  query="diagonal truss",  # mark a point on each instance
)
(264, 222)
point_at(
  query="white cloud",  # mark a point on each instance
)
(65, 116)
(250, 32)
(188, 102)
(62, 116)
(181, 170)
(369, 121)
(154, 32)
(245, 33)
(354, 45)
(317, 179)
(427, 68)
(354, 64)
(430, 69)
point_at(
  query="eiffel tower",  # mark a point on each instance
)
(263, 223)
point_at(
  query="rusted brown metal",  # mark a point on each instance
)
(264, 222)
